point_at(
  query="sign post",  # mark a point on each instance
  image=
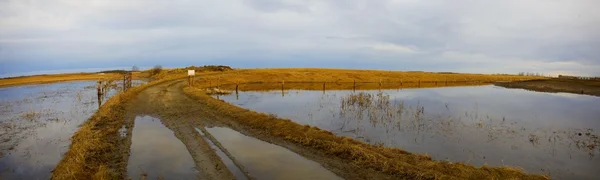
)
(191, 74)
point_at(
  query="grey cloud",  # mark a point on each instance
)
(359, 32)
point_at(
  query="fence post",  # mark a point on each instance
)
(237, 84)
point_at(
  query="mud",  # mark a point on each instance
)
(176, 112)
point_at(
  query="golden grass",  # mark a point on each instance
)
(298, 75)
(94, 149)
(590, 87)
(342, 86)
(41, 79)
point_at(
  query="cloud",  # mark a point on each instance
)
(462, 35)
(395, 48)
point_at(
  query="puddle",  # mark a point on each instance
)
(157, 153)
(547, 133)
(37, 122)
(123, 131)
(233, 168)
(267, 161)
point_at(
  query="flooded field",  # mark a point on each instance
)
(547, 133)
(37, 121)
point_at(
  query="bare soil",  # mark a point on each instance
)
(589, 87)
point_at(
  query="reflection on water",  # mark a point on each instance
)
(540, 132)
(233, 168)
(268, 161)
(37, 121)
(157, 153)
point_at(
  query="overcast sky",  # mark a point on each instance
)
(478, 36)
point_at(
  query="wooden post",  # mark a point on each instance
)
(282, 83)
(237, 84)
(124, 82)
(379, 84)
(419, 82)
(401, 82)
(323, 87)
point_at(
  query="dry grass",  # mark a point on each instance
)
(41, 79)
(94, 152)
(343, 86)
(364, 78)
(590, 87)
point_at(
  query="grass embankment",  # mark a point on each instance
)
(589, 87)
(95, 148)
(391, 161)
(41, 79)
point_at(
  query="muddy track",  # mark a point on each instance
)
(178, 113)
(182, 114)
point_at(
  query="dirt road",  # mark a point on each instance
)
(182, 115)
(178, 113)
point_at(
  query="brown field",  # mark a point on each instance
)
(298, 75)
(576, 86)
(96, 151)
(42, 79)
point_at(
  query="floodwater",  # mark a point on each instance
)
(233, 168)
(157, 153)
(267, 161)
(37, 122)
(544, 133)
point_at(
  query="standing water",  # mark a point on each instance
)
(37, 122)
(268, 161)
(545, 133)
(156, 153)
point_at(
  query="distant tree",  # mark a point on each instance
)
(155, 70)
(135, 68)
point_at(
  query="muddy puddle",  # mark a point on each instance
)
(546, 133)
(37, 122)
(157, 154)
(267, 161)
(234, 168)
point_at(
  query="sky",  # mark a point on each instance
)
(473, 36)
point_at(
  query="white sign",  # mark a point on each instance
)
(191, 72)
